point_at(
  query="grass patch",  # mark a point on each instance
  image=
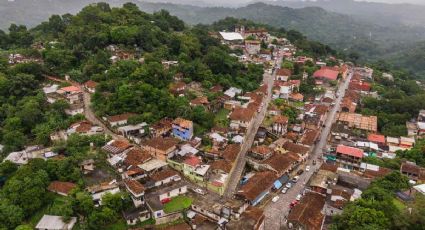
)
(268, 121)
(178, 203)
(118, 225)
(221, 119)
(400, 205)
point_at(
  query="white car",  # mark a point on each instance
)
(199, 191)
(275, 199)
(284, 190)
(298, 197)
(288, 185)
(307, 168)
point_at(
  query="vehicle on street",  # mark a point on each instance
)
(314, 162)
(275, 199)
(199, 191)
(307, 168)
(300, 172)
(284, 190)
(295, 179)
(289, 185)
(293, 203)
(298, 198)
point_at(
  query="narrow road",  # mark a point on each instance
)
(276, 212)
(239, 166)
(91, 116)
(88, 111)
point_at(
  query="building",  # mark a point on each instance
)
(90, 86)
(61, 188)
(347, 157)
(49, 222)
(358, 121)
(283, 74)
(182, 129)
(257, 187)
(307, 215)
(136, 190)
(119, 120)
(231, 37)
(252, 219)
(84, 128)
(161, 147)
(97, 191)
(326, 74)
(161, 128)
(252, 46)
(413, 171)
(241, 117)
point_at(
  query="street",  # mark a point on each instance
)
(239, 166)
(276, 212)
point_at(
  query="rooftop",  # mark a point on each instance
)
(257, 184)
(351, 151)
(309, 211)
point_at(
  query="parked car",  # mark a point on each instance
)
(199, 191)
(289, 185)
(293, 203)
(300, 172)
(295, 179)
(275, 199)
(307, 168)
(284, 190)
(314, 162)
(298, 198)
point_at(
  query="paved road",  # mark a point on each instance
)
(90, 116)
(88, 111)
(239, 166)
(276, 212)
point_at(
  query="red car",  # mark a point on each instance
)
(165, 200)
(293, 203)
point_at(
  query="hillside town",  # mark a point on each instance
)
(289, 154)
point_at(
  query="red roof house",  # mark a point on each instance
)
(350, 151)
(326, 73)
(376, 138)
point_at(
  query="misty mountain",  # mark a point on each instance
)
(379, 13)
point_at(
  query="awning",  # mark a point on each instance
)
(277, 184)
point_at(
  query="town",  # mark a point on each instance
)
(289, 153)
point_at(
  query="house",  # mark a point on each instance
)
(134, 158)
(178, 88)
(136, 190)
(347, 105)
(73, 94)
(326, 74)
(307, 215)
(136, 215)
(87, 166)
(114, 147)
(309, 137)
(252, 46)
(182, 129)
(19, 158)
(200, 101)
(296, 97)
(413, 171)
(231, 152)
(261, 152)
(321, 180)
(377, 139)
(252, 219)
(49, 222)
(348, 157)
(84, 128)
(75, 109)
(257, 187)
(358, 121)
(97, 191)
(278, 163)
(280, 124)
(360, 86)
(412, 129)
(133, 132)
(289, 146)
(164, 177)
(160, 147)
(161, 128)
(241, 117)
(283, 74)
(90, 86)
(61, 188)
(231, 37)
(232, 92)
(119, 120)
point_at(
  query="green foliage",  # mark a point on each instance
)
(177, 203)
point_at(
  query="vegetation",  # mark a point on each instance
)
(376, 208)
(178, 203)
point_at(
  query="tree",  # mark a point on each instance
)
(10, 215)
(83, 203)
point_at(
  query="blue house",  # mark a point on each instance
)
(182, 129)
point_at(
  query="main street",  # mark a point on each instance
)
(239, 166)
(276, 212)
